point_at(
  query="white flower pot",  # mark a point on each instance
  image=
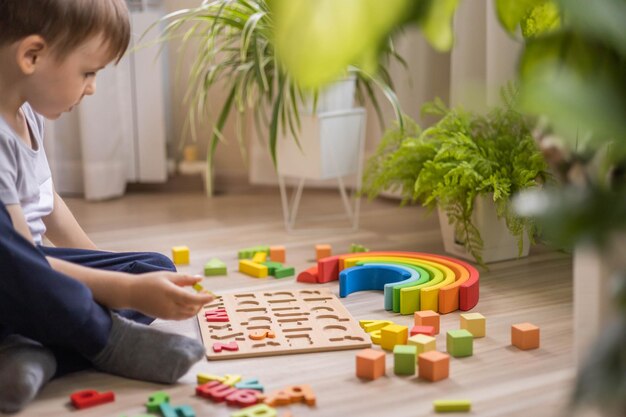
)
(331, 145)
(337, 96)
(499, 243)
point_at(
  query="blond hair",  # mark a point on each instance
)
(66, 24)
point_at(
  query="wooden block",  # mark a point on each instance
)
(328, 269)
(155, 399)
(525, 336)
(259, 410)
(459, 343)
(215, 391)
(278, 254)
(244, 398)
(371, 325)
(231, 346)
(427, 318)
(284, 272)
(292, 394)
(323, 251)
(261, 334)
(252, 268)
(475, 323)
(310, 275)
(231, 379)
(259, 257)
(451, 406)
(427, 330)
(252, 383)
(167, 410)
(180, 255)
(370, 364)
(215, 267)
(404, 359)
(423, 343)
(375, 336)
(90, 398)
(219, 315)
(392, 335)
(204, 378)
(272, 267)
(433, 365)
(356, 248)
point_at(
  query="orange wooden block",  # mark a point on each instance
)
(323, 251)
(433, 365)
(277, 254)
(427, 318)
(370, 364)
(525, 336)
(293, 394)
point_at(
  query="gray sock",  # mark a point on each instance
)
(25, 366)
(140, 352)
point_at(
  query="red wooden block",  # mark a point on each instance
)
(427, 330)
(218, 346)
(328, 269)
(89, 398)
(310, 275)
(215, 391)
(244, 398)
(217, 315)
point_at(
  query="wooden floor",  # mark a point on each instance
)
(499, 379)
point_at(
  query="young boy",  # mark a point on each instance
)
(67, 307)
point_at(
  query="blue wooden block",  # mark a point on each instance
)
(179, 411)
(375, 277)
(250, 384)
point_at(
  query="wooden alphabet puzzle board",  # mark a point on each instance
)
(267, 323)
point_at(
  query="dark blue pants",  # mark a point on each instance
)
(54, 309)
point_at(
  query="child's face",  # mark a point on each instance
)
(59, 85)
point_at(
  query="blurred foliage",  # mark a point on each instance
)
(461, 157)
(317, 40)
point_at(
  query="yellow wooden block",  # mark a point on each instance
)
(375, 336)
(393, 334)
(475, 323)
(451, 406)
(180, 255)
(423, 342)
(252, 268)
(231, 379)
(204, 378)
(371, 325)
(259, 257)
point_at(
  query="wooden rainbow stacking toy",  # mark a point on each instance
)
(411, 281)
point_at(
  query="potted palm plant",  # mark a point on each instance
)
(468, 166)
(236, 52)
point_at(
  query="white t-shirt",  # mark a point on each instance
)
(25, 176)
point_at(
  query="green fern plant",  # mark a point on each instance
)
(463, 156)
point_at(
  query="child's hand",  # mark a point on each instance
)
(159, 294)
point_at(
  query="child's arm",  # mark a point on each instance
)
(62, 229)
(19, 221)
(157, 294)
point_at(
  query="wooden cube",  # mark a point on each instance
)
(427, 318)
(525, 336)
(433, 365)
(423, 343)
(370, 364)
(475, 323)
(392, 335)
(323, 251)
(404, 359)
(278, 254)
(427, 330)
(180, 255)
(459, 343)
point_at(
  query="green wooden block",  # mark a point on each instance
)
(284, 272)
(272, 267)
(155, 399)
(354, 248)
(443, 406)
(214, 267)
(404, 359)
(459, 343)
